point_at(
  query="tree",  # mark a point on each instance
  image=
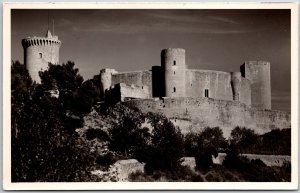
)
(166, 147)
(46, 147)
(190, 144)
(244, 140)
(76, 95)
(276, 142)
(209, 143)
(21, 88)
(128, 137)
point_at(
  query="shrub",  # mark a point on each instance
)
(128, 137)
(244, 140)
(106, 160)
(182, 174)
(139, 176)
(190, 144)
(255, 170)
(276, 142)
(96, 133)
(209, 143)
(166, 146)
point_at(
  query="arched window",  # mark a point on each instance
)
(174, 89)
(174, 62)
(174, 72)
(40, 55)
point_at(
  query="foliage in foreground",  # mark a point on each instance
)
(45, 146)
(158, 144)
(275, 142)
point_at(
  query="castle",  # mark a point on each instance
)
(191, 98)
(250, 86)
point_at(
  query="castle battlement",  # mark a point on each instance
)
(40, 41)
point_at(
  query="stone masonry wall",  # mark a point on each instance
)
(121, 91)
(139, 78)
(205, 112)
(133, 91)
(217, 83)
(245, 91)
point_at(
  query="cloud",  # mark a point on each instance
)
(223, 20)
(148, 21)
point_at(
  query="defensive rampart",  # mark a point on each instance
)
(194, 114)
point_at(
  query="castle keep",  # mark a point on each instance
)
(191, 98)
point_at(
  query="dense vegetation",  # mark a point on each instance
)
(52, 141)
(45, 146)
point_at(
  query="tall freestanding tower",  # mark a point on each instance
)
(174, 67)
(258, 73)
(39, 52)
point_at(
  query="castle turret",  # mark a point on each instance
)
(105, 77)
(39, 52)
(236, 85)
(258, 73)
(174, 67)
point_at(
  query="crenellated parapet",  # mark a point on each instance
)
(40, 41)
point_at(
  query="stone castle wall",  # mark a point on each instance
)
(121, 91)
(138, 78)
(197, 113)
(217, 83)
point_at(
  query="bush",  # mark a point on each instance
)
(182, 174)
(106, 160)
(276, 142)
(190, 144)
(209, 143)
(139, 177)
(255, 170)
(244, 140)
(128, 137)
(96, 133)
(166, 146)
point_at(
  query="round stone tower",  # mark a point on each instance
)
(258, 73)
(174, 67)
(39, 52)
(106, 80)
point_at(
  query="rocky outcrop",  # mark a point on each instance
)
(120, 171)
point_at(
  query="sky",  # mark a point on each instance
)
(129, 40)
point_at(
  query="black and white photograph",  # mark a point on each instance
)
(185, 95)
